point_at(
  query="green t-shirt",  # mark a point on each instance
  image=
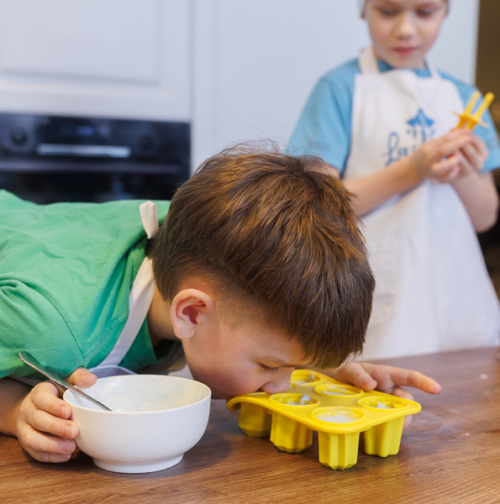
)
(66, 272)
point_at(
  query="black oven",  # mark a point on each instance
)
(47, 159)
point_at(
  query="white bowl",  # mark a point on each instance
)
(155, 420)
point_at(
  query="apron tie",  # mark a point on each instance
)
(149, 217)
(140, 300)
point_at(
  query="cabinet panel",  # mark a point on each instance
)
(119, 58)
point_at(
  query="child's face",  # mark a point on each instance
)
(402, 31)
(239, 360)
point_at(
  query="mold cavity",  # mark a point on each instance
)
(339, 414)
(338, 418)
(304, 378)
(380, 405)
(383, 403)
(305, 399)
(294, 399)
(338, 390)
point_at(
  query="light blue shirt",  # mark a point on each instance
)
(324, 128)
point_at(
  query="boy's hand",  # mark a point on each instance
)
(474, 154)
(446, 158)
(43, 426)
(386, 379)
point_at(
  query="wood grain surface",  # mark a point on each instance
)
(450, 454)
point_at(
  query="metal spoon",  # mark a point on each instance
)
(27, 358)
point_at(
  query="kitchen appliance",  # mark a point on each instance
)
(47, 158)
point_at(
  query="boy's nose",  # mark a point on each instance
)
(277, 386)
(405, 27)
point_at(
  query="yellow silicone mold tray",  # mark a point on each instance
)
(338, 412)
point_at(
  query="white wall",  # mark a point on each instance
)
(255, 61)
(455, 50)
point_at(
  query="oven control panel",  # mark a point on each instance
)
(43, 143)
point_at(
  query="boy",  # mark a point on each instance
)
(384, 122)
(258, 268)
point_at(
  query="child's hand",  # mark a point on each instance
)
(446, 158)
(43, 426)
(386, 379)
(474, 154)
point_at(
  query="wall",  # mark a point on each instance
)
(255, 61)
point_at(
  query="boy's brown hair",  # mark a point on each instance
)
(278, 231)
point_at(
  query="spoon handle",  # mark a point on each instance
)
(91, 399)
(28, 359)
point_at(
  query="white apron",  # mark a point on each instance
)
(432, 289)
(140, 299)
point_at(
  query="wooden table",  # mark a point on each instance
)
(450, 454)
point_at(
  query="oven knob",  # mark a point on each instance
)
(18, 136)
(146, 142)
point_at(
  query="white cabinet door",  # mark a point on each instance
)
(111, 58)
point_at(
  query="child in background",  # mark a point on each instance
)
(258, 268)
(385, 123)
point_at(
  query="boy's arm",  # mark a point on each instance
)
(11, 395)
(480, 198)
(477, 190)
(375, 189)
(438, 159)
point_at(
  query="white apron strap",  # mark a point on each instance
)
(433, 70)
(140, 300)
(368, 61)
(149, 217)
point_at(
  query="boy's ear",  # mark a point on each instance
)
(190, 308)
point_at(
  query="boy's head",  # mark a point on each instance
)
(263, 266)
(402, 31)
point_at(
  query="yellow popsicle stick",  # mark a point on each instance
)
(468, 109)
(470, 120)
(483, 106)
